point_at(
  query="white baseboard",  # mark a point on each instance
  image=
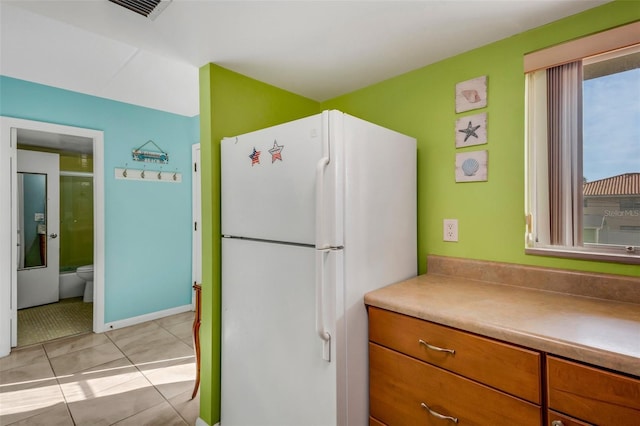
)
(147, 317)
(200, 422)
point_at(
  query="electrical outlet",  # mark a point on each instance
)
(450, 230)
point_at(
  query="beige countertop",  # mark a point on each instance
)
(604, 333)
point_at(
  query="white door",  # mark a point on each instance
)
(38, 199)
(273, 370)
(268, 181)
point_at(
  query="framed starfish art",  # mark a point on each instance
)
(471, 130)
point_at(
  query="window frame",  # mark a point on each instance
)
(536, 174)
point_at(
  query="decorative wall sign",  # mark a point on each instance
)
(471, 94)
(159, 156)
(471, 166)
(471, 130)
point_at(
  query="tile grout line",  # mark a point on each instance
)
(178, 330)
(148, 381)
(179, 339)
(64, 397)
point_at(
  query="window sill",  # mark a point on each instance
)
(573, 253)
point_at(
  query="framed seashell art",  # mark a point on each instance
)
(471, 94)
(471, 166)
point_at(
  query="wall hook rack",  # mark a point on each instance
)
(147, 175)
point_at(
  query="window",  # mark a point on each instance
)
(583, 148)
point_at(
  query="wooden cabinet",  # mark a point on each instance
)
(429, 374)
(424, 373)
(506, 367)
(591, 395)
(558, 419)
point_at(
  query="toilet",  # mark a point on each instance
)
(86, 273)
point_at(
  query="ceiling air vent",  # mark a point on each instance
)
(147, 8)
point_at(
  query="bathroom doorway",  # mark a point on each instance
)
(82, 214)
(55, 236)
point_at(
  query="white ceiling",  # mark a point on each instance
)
(318, 49)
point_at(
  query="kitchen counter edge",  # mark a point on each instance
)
(600, 332)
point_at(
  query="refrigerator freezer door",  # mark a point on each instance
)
(268, 181)
(273, 372)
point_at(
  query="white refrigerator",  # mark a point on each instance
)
(315, 213)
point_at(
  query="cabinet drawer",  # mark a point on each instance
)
(592, 395)
(505, 367)
(557, 419)
(375, 422)
(399, 385)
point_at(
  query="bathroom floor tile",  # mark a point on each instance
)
(44, 323)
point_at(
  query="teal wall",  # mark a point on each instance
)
(147, 225)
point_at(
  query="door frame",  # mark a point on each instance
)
(8, 224)
(196, 213)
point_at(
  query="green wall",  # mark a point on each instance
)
(422, 104)
(76, 222)
(230, 104)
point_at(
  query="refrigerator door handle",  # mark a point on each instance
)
(320, 168)
(320, 328)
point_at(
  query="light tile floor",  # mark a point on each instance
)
(139, 375)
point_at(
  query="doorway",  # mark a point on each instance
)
(51, 137)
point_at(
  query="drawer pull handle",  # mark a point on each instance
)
(557, 423)
(436, 348)
(438, 415)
